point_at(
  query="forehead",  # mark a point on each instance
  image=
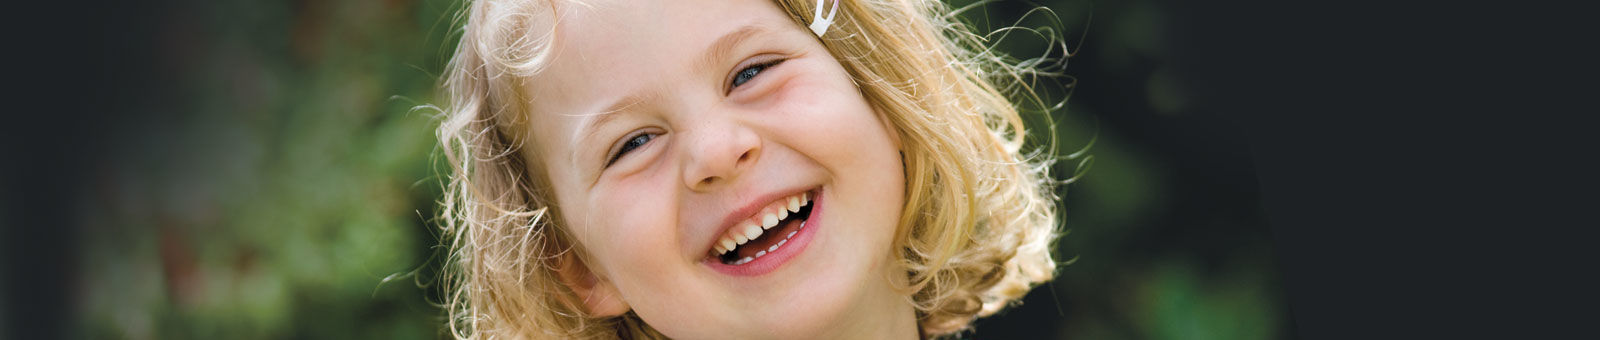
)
(607, 49)
(612, 47)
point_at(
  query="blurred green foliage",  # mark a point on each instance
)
(289, 193)
(1166, 239)
(292, 180)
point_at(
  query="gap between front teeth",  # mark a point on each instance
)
(750, 230)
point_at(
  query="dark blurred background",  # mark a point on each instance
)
(264, 176)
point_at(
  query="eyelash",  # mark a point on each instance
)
(628, 145)
(749, 72)
(757, 68)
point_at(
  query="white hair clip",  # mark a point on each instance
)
(819, 25)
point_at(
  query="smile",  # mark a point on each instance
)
(774, 234)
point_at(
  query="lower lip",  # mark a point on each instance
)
(775, 259)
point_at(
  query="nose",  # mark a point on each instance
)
(718, 152)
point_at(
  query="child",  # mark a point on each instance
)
(733, 169)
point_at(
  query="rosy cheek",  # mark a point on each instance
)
(794, 83)
(636, 212)
(616, 241)
(810, 94)
(774, 93)
(803, 96)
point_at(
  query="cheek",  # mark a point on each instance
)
(831, 123)
(632, 227)
(832, 120)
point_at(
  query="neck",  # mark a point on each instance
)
(886, 315)
(896, 321)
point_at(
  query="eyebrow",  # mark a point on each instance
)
(718, 50)
(592, 122)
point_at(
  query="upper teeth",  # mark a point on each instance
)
(768, 218)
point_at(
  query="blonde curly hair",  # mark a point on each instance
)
(975, 234)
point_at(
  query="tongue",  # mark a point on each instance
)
(768, 238)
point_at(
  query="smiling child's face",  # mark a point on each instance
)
(670, 129)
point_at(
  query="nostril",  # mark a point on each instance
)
(744, 156)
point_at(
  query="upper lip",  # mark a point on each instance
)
(749, 210)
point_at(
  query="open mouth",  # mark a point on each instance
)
(768, 232)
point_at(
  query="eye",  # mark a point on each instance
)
(750, 72)
(629, 145)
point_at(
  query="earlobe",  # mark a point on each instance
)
(599, 296)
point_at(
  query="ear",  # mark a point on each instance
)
(894, 134)
(599, 296)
